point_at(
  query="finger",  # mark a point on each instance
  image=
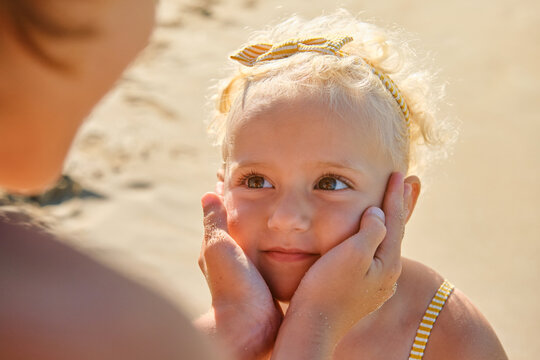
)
(371, 234)
(219, 254)
(215, 217)
(406, 195)
(218, 244)
(215, 225)
(389, 250)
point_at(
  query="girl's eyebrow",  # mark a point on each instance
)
(244, 164)
(344, 165)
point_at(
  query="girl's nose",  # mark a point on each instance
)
(291, 213)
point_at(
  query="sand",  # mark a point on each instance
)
(144, 151)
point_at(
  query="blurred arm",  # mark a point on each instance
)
(56, 303)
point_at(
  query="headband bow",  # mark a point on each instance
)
(257, 53)
(252, 54)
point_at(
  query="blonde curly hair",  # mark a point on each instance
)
(345, 84)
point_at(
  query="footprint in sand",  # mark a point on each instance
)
(202, 8)
(145, 100)
(139, 184)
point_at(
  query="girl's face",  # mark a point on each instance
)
(296, 183)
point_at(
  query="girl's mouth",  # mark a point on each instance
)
(288, 255)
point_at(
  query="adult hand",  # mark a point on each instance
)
(244, 316)
(347, 283)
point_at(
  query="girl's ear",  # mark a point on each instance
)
(220, 182)
(411, 196)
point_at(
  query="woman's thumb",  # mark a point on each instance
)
(372, 226)
(215, 215)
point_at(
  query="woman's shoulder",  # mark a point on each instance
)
(461, 331)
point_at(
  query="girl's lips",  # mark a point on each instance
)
(288, 255)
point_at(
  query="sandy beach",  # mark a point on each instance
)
(144, 157)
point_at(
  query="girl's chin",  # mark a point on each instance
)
(283, 292)
(283, 280)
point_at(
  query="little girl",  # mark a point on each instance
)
(324, 127)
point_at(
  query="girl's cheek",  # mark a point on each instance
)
(233, 217)
(243, 211)
(236, 229)
(340, 224)
(243, 228)
(240, 221)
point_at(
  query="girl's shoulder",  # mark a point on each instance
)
(460, 331)
(396, 321)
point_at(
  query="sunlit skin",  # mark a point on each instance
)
(296, 182)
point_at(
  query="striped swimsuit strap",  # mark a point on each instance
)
(430, 316)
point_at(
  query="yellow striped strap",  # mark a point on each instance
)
(257, 53)
(430, 316)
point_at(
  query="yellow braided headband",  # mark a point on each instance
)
(253, 54)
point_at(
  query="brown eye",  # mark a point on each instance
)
(257, 182)
(330, 183)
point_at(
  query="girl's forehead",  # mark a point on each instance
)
(304, 127)
(261, 107)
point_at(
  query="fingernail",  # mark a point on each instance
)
(407, 189)
(376, 212)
